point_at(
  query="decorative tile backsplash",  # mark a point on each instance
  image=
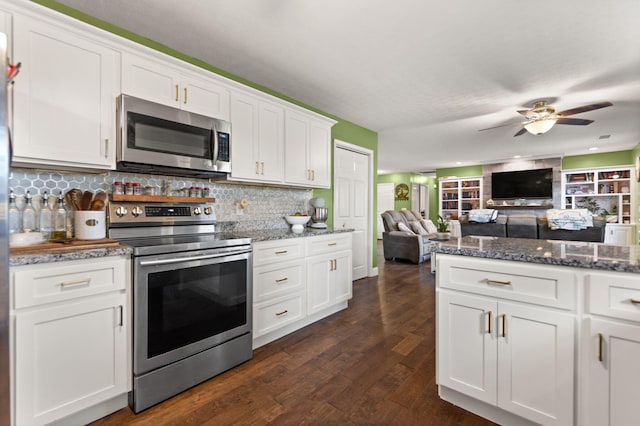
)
(265, 207)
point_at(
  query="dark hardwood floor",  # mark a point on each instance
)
(373, 363)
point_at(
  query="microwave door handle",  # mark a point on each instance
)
(216, 142)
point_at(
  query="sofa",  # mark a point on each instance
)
(530, 226)
(406, 236)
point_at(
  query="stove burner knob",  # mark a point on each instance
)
(136, 211)
(208, 210)
(121, 211)
(197, 211)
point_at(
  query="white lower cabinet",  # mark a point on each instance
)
(328, 280)
(298, 281)
(70, 338)
(500, 349)
(611, 350)
(619, 234)
(513, 356)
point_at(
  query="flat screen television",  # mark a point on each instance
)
(536, 183)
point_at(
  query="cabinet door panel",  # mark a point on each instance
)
(64, 99)
(341, 286)
(467, 350)
(318, 283)
(320, 154)
(69, 357)
(271, 136)
(613, 392)
(295, 153)
(535, 363)
(244, 144)
(205, 97)
(150, 80)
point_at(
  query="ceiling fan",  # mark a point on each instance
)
(542, 117)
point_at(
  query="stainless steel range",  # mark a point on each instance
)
(191, 296)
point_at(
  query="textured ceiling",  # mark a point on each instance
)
(424, 74)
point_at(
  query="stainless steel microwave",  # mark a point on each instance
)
(158, 139)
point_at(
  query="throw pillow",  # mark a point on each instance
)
(429, 226)
(405, 228)
(483, 215)
(417, 228)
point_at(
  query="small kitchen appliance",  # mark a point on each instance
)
(319, 213)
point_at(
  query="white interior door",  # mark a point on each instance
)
(385, 202)
(352, 185)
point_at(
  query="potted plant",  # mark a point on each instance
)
(442, 229)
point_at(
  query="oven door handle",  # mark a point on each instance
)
(190, 258)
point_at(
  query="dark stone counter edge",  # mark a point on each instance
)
(605, 265)
(124, 250)
(39, 258)
(282, 234)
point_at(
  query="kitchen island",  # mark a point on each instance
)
(538, 332)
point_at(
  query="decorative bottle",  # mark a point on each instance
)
(28, 215)
(14, 215)
(60, 220)
(46, 217)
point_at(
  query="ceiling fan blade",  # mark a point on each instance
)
(521, 132)
(574, 121)
(526, 112)
(584, 108)
(496, 127)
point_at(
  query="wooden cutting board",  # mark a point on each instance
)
(66, 245)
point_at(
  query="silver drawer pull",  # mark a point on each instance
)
(281, 280)
(332, 244)
(278, 314)
(635, 301)
(496, 282)
(66, 284)
(282, 252)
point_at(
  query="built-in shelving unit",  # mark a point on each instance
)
(601, 190)
(458, 196)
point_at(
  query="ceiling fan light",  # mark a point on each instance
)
(539, 127)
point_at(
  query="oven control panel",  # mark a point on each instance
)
(159, 213)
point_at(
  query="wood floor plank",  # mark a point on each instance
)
(371, 364)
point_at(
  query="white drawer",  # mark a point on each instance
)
(328, 243)
(278, 279)
(613, 295)
(54, 282)
(266, 252)
(546, 285)
(272, 315)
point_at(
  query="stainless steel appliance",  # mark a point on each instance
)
(5, 407)
(319, 213)
(155, 138)
(191, 297)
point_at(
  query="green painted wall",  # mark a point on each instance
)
(343, 130)
(604, 159)
(466, 171)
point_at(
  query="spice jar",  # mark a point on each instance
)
(118, 188)
(206, 192)
(128, 188)
(137, 189)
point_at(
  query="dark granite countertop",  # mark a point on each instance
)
(564, 253)
(71, 254)
(281, 234)
(89, 253)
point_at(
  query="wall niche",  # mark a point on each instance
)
(554, 163)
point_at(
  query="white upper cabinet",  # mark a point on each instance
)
(307, 150)
(159, 82)
(64, 96)
(257, 138)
